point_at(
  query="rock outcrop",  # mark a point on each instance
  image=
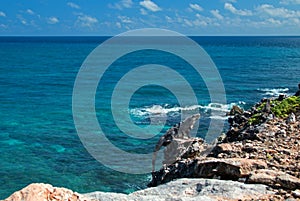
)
(181, 189)
(45, 192)
(262, 146)
(179, 131)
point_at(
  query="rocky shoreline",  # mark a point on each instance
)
(257, 159)
(262, 146)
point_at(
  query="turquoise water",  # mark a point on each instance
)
(38, 139)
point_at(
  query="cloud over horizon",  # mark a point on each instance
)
(150, 5)
(221, 17)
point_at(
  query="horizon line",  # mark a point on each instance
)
(188, 35)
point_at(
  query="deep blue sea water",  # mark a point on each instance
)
(38, 139)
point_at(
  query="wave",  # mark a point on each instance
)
(212, 110)
(274, 92)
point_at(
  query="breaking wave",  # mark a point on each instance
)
(212, 110)
(274, 92)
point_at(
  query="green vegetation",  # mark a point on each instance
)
(280, 109)
(284, 108)
(255, 119)
(269, 157)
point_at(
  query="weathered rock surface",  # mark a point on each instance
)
(231, 168)
(181, 189)
(42, 192)
(275, 179)
(260, 147)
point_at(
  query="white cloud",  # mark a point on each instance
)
(202, 20)
(287, 2)
(2, 14)
(296, 20)
(24, 22)
(52, 20)
(143, 11)
(196, 7)
(216, 14)
(232, 9)
(30, 12)
(198, 22)
(270, 23)
(125, 19)
(188, 22)
(3, 26)
(273, 21)
(86, 21)
(277, 12)
(169, 19)
(150, 5)
(118, 24)
(127, 3)
(73, 5)
(122, 4)
(229, 1)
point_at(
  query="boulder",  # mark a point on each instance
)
(42, 192)
(274, 179)
(291, 118)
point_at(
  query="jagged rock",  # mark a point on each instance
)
(298, 92)
(180, 149)
(223, 148)
(179, 131)
(296, 193)
(271, 140)
(291, 118)
(235, 110)
(274, 179)
(231, 168)
(267, 107)
(281, 97)
(42, 192)
(193, 189)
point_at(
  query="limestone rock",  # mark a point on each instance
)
(274, 179)
(231, 168)
(42, 192)
(181, 189)
(193, 189)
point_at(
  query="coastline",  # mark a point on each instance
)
(258, 157)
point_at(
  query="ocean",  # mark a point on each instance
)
(38, 137)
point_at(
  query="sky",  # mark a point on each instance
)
(108, 18)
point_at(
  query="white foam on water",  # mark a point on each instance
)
(218, 110)
(274, 92)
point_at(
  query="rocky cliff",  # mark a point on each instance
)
(261, 147)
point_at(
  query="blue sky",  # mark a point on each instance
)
(104, 17)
